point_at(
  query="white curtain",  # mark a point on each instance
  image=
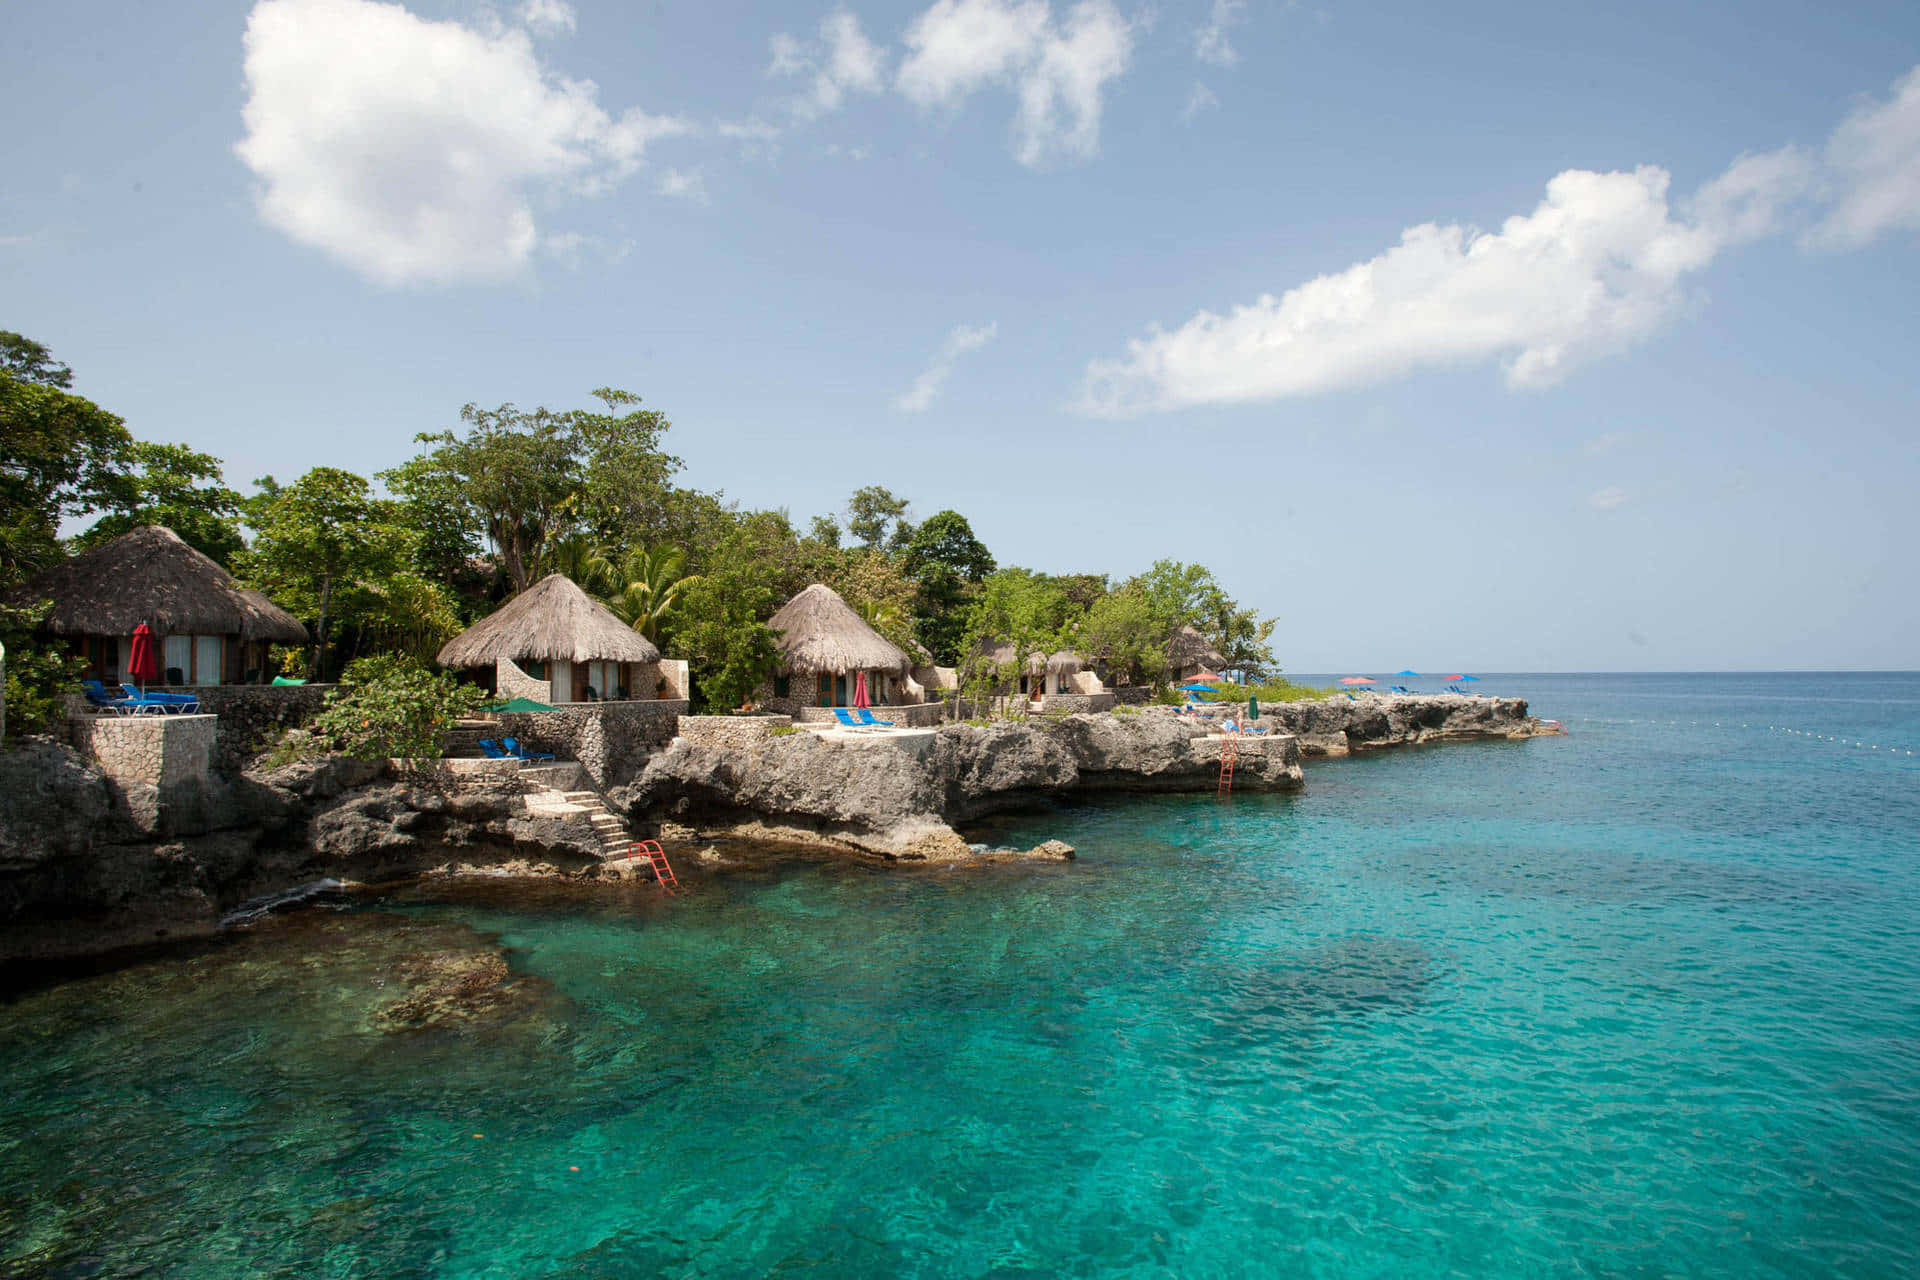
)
(177, 655)
(206, 659)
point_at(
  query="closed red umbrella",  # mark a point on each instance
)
(860, 698)
(143, 664)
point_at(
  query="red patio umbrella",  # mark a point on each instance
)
(142, 663)
(1205, 676)
(860, 698)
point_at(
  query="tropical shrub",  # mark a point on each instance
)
(392, 707)
(39, 676)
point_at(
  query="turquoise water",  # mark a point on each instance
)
(1643, 1001)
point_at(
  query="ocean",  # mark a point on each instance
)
(1639, 1001)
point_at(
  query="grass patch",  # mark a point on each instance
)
(1270, 691)
(782, 730)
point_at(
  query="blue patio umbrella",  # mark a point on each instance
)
(1474, 679)
(1407, 673)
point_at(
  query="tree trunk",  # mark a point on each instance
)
(320, 639)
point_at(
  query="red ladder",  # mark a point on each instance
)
(1229, 752)
(657, 859)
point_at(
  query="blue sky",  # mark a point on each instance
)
(1495, 337)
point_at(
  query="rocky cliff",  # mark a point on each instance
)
(86, 866)
(898, 795)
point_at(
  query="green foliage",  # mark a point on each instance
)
(946, 562)
(783, 731)
(1127, 636)
(175, 486)
(329, 552)
(719, 623)
(1275, 690)
(392, 707)
(59, 456)
(646, 588)
(1019, 607)
(878, 518)
(40, 672)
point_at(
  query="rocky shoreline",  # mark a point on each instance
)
(87, 867)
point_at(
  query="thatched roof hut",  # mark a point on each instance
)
(151, 575)
(551, 621)
(820, 633)
(1188, 650)
(1062, 662)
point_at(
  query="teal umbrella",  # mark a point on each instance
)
(518, 704)
(1253, 708)
(1414, 674)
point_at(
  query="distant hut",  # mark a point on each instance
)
(1062, 671)
(927, 676)
(554, 643)
(824, 645)
(208, 628)
(1189, 653)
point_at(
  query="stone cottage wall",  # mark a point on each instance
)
(611, 740)
(249, 715)
(730, 731)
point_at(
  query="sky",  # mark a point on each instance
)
(1497, 337)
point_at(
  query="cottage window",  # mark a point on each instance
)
(207, 652)
(825, 689)
(176, 656)
(781, 686)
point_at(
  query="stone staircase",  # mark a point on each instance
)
(616, 843)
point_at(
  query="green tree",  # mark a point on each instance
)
(520, 475)
(39, 671)
(946, 562)
(648, 587)
(59, 453)
(1015, 607)
(626, 477)
(720, 629)
(1126, 637)
(323, 546)
(392, 707)
(878, 518)
(175, 486)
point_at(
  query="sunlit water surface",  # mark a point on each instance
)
(1641, 1001)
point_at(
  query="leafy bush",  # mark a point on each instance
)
(783, 730)
(1275, 690)
(392, 707)
(39, 675)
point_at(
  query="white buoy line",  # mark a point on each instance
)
(1837, 740)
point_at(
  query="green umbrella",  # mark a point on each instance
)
(1253, 707)
(519, 704)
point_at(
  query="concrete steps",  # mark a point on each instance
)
(615, 840)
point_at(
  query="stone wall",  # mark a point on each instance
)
(249, 715)
(611, 740)
(155, 751)
(510, 682)
(1076, 703)
(1131, 695)
(917, 715)
(730, 731)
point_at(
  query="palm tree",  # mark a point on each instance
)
(579, 557)
(647, 586)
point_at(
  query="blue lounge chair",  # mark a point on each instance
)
(491, 750)
(172, 704)
(866, 718)
(845, 717)
(99, 698)
(519, 752)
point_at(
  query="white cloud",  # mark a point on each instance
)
(683, 184)
(415, 151)
(1607, 499)
(843, 61)
(1210, 42)
(1058, 71)
(1594, 268)
(548, 17)
(918, 397)
(1874, 161)
(1199, 100)
(1598, 266)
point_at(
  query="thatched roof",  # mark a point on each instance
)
(151, 575)
(1062, 662)
(1188, 648)
(550, 621)
(820, 632)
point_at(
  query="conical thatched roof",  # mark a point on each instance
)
(551, 620)
(1061, 662)
(1188, 648)
(820, 632)
(151, 575)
